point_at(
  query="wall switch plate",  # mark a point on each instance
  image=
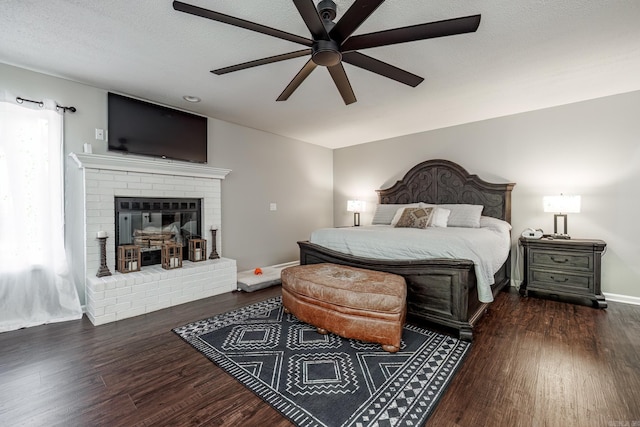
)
(273, 207)
(100, 134)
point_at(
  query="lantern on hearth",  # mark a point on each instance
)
(197, 250)
(171, 256)
(129, 258)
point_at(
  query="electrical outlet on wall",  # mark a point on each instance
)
(273, 207)
(100, 134)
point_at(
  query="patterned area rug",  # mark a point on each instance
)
(326, 380)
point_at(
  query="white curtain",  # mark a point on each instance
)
(36, 286)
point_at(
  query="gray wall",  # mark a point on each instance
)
(590, 148)
(265, 168)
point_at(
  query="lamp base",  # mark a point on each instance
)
(356, 219)
(559, 236)
(556, 217)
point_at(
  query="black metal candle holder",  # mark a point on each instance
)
(214, 254)
(103, 270)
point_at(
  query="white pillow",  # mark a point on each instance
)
(463, 215)
(384, 213)
(440, 217)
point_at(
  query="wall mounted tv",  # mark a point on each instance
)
(139, 127)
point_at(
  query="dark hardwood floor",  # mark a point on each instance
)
(533, 362)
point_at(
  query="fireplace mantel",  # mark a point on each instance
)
(143, 165)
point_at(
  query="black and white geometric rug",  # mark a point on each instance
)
(326, 380)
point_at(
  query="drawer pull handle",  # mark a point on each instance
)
(558, 260)
(564, 279)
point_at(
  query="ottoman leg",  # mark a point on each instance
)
(286, 310)
(322, 331)
(390, 348)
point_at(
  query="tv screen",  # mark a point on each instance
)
(139, 127)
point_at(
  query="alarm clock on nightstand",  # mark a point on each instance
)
(530, 233)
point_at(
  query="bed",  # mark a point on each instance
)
(443, 291)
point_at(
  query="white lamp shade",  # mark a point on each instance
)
(561, 204)
(355, 205)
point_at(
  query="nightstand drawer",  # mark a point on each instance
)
(559, 280)
(562, 260)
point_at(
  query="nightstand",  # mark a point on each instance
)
(569, 268)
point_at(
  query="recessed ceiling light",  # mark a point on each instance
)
(190, 98)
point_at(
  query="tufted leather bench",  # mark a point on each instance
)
(351, 302)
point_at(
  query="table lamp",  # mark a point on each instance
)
(355, 206)
(561, 205)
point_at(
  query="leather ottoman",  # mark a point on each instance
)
(351, 302)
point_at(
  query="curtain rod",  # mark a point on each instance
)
(20, 100)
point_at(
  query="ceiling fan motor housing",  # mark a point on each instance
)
(327, 10)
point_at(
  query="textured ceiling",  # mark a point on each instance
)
(526, 55)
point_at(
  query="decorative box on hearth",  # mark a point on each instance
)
(171, 256)
(197, 250)
(129, 258)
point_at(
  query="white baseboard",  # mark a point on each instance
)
(626, 299)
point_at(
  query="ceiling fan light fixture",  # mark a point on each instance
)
(326, 53)
(191, 98)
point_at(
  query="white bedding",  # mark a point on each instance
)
(488, 246)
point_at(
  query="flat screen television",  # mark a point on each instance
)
(139, 127)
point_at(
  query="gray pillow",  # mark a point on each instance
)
(464, 215)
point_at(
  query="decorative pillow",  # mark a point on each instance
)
(415, 218)
(463, 215)
(438, 219)
(384, 213)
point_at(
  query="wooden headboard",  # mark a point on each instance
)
(441, 181)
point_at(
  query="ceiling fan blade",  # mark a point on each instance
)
(262, 61)
(449, 27)
(353, 18)
(248, 25)
(312, 19)
(342, 83)
(297, 80)
(376, 66)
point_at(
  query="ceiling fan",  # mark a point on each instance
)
(332, 43)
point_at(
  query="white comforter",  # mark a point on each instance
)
(488, 246)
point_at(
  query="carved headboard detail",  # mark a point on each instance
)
(442, 181)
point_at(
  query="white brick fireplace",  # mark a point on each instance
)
(93, 183)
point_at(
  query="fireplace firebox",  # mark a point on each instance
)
(151, 222)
